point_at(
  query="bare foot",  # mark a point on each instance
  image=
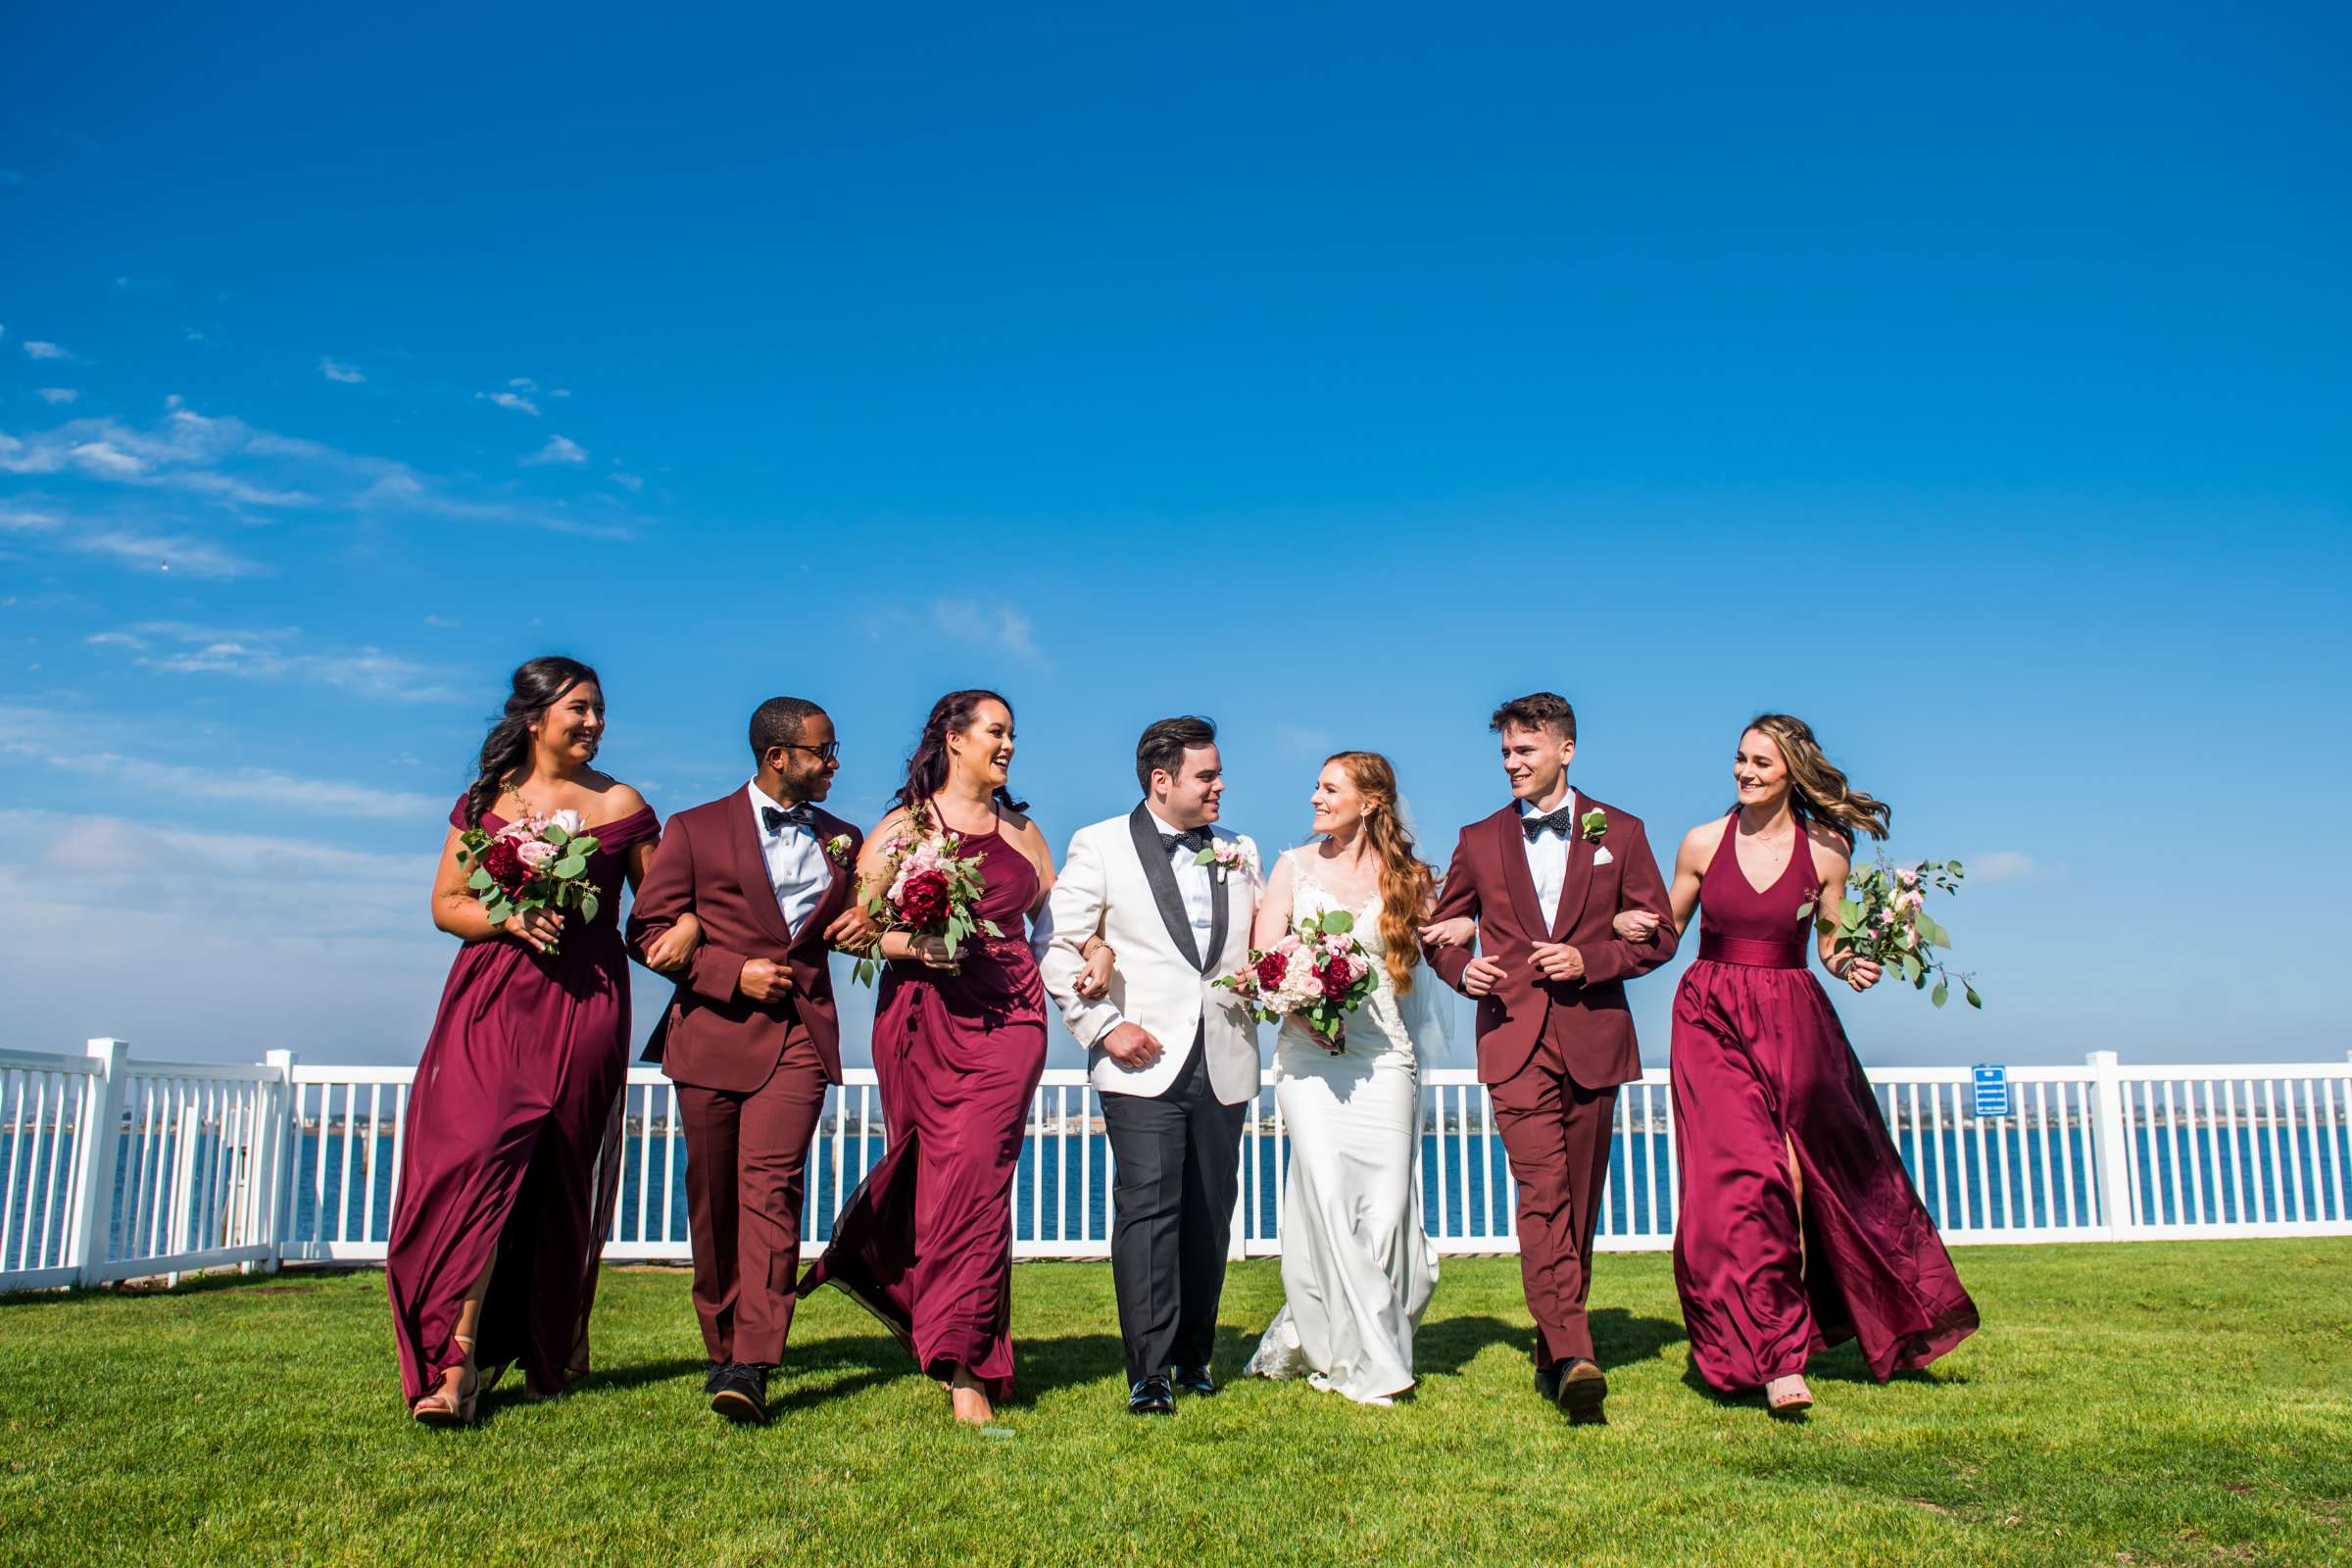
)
(1788, 1393)
(971, 1404)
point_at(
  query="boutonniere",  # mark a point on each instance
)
(1591, 826)
(837, 849)
(1229, 856)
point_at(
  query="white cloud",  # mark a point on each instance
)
(164, 552)
(2003, 865)
(54, 395)
(986, 623)
(23, 518)
(223, 973)
(222, 460)
(627, 481)
(511, 400)
(37, 349)
(184, 452)
(189, 334)
(181, 648)
(64, 742)
(443, 622)
(349, 374)
(558, 449)
(108, 461)
(522, 383)
(560, 392)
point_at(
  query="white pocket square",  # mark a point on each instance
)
(1601, 856)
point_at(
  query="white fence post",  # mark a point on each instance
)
(2114, 1127)
(1237, 1238)
(97, 1148)
(286, 1106)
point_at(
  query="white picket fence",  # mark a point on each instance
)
(208, 1166)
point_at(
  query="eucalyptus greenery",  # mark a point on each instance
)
(1885, 921)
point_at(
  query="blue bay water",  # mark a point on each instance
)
(2249, 1174)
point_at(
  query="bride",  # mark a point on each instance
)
(1357, 1269)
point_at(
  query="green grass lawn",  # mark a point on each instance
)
(2141, 1403)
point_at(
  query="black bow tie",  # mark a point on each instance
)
(1561, 821)
(1195, 838)
(774, 818)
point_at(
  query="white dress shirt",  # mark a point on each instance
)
(796, 861)
(1200, 890)
(1548, 859)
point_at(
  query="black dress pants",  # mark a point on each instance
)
(1176, 1157)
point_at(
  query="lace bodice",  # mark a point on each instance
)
(1376, 1026)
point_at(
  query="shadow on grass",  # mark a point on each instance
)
(1841, 1364)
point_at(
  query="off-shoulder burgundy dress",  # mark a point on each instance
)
(926, 1240)
(510, 1141)
(1760, 1066)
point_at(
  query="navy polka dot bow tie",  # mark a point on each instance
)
(1561, 821)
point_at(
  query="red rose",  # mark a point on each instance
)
(1270, 970)
(923, 900)
(1336, 980)
(505, 865)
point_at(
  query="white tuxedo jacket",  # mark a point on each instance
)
(1116, 880)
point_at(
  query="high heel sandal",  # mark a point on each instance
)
(441, 1407)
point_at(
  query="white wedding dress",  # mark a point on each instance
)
(1358, 1268)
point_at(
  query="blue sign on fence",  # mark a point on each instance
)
(1992, 1092)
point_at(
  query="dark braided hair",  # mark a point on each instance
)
(927, 769)
(537, 685)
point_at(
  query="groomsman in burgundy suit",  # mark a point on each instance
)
(751, 1036)
(1542, 878)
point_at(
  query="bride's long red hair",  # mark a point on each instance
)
(1407, 883)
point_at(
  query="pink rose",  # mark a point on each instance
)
(535, 852)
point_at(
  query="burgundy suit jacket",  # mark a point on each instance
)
(1583, 1023)
(710, 863)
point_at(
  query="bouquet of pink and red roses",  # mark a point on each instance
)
(931, 891)
(1318, 972)
(536, 862)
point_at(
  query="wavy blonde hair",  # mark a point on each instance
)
(1406, 883)
(1817, 788)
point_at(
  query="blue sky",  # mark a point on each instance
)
(1974, 387)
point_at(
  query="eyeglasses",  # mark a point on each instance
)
(830, 752)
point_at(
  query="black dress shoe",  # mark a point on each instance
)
(1192, 1379)
(710, 1375)
(1583, 1392)
(741, 1393)
(1151, 1397)
(1548, 1382)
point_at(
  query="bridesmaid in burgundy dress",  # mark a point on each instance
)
(1796, 1227)
(507, 1176)
(926, 1241)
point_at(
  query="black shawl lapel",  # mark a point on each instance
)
(1221, 882)
(1162, 877)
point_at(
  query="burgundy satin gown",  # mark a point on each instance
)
(1761, 1065)
(510, 1141)
(926, 1240)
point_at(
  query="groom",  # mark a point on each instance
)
(1542, 878)
(1174, 1060)
(750, 1038)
